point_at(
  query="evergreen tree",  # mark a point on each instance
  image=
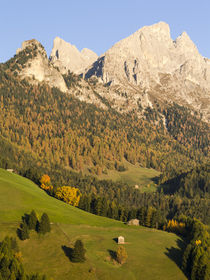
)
(12, 276)
(141, 215)
(148, 217)
(44, 225)
(78, 254)
(5, 272)
(104, 208)
(98, 206)
(153, 219)
(24, 231)
(32, 221)
(186, 259)
(132, 214)
(87, 203)
(14, 266)
(204, 268)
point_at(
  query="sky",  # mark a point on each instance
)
(98, 24)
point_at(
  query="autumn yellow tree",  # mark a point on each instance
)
(70, 195)
(175, 226)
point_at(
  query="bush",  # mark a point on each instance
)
(121, 256)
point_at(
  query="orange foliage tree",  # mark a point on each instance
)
(46, 183)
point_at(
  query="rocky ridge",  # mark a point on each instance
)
(67, 57)
(145, 68)
(33, 64)
(150, 61)
(36, 66)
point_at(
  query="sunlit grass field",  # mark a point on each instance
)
(152, 254)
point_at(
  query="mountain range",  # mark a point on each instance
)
(137, 72)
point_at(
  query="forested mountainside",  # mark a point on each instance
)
(196, 182)
(58, 128)
(44, 130)
(187, 127)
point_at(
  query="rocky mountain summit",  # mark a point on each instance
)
(136, 73)
(67, 57)
(33, 63)
(152, 62)
(140, 58)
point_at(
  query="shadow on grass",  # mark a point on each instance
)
(112, 254)
(68, 251)
(155, 179)
(175, 254)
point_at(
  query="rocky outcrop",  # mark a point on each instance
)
(67, 57)
(152, 62)
(37, 66)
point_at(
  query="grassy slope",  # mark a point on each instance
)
(147, 249)
(134, 175)
(19, 195)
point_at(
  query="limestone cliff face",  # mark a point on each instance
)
(37, 67)
(151, 61)
(67, 57)
(146, 67)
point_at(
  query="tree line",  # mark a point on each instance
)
(31, 222)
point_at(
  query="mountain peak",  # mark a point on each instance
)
(35, 65)
(184, 43)
(160, 27)
(68, 57)
(32, 44)
(150, 60)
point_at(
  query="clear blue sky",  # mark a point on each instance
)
(98, 24)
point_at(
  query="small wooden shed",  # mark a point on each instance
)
(133, 222)
(121, 240)
(10, 170)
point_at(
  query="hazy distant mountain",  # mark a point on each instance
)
(68, 57)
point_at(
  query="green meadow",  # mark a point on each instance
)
(152, 254)
(134, 175)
